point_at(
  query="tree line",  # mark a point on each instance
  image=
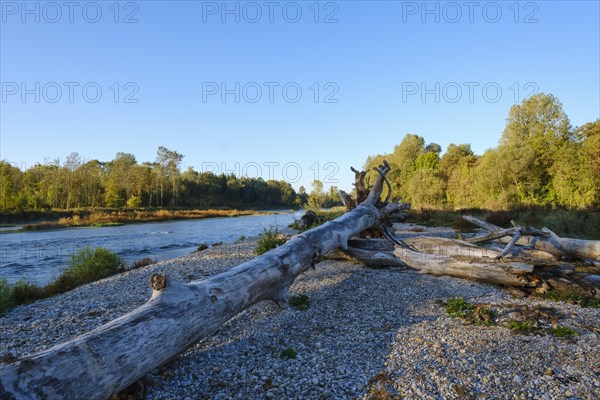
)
(541, 160)
(123, 182)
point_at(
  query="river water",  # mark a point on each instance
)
(39, 257)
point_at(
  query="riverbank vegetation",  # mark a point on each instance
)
(87, 265)
(269, 239)
(582, 224)
(109, 217)
(125, 183)
(541, 161)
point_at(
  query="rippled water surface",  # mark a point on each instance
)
(39, 257)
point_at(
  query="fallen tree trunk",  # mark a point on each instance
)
(544, 240)
(107, 360)
(451, 257)
(375, 258)
(457, 258)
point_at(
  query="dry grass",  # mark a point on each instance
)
(119, 217)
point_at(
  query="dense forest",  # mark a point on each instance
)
(541, 160)
(123, 182)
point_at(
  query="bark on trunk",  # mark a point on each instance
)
(107, 360)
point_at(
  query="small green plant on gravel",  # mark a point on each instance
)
(6, 299)
(478, 314)
(300, 302)
(457, 307)
(574, 298)
(269, 240)
(563, 332)
(202, 247)
(483, 315)
(288, 353)
(241, 238)
(523, 327)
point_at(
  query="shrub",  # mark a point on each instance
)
(269, 240)
(142, 263)
(62, 284)
(478, 314)
(25, 293)
(202, 247)
(90, 265)
(86, 266)
(483, 315)
(300, 302)
(457, 307)
(6, 299)
(288, 353)
(563, 332)
(520, 326)
(574, 298)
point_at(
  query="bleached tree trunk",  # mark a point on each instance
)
(108, 359)
(544, 240)
(441, 256)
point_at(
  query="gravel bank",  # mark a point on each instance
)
(367, 334)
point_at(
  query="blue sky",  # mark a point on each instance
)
(448, 71)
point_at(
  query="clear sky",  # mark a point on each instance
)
(302, 89)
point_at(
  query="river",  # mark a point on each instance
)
(39, 257)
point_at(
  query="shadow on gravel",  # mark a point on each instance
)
(331, 350)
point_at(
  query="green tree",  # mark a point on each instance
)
(576, 172)
(427, 186)
(316, 198)
(10, 178)
(540, 126)
(72, 180)
(589, 135)
(91, 190)
(120, 180)
(168, 166)
(457, 167)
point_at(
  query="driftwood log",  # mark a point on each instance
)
(451, 257)
(544, 240)
(107, 360)
(530, 270)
